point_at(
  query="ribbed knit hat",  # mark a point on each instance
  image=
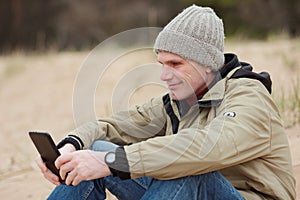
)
(197, 34)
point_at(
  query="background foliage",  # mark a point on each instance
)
(77, 24)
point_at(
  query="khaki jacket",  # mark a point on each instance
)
(235, 128)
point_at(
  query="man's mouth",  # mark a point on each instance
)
(173, 85)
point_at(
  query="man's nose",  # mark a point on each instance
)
(167, 73)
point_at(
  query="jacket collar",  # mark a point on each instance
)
(216, 92)
(215, 95)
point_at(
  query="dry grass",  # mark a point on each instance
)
(36, 94)
(281, 59)
(289, 104)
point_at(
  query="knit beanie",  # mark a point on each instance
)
(197, 34)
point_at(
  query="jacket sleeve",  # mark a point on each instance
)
(226, 141)
(137, 124)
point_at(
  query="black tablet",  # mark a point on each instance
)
(47, 149)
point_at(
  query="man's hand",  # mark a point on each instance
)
(82, 165)
(66, 149)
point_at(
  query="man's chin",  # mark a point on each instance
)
(178, 97)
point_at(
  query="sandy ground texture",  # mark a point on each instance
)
(36, 93)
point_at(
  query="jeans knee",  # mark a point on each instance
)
(101, 145)
(82, 191)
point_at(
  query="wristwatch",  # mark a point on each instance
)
(118, 163)
(110, 157)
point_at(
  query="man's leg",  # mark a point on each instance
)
(85, 190)
(207, 186)
(95, 189)
(210, 186)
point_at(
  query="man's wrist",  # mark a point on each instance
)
(69, 147)
(71, 139)
(118, 163)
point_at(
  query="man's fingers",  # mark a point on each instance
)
(52, 178)
(62, 160)
(70, 177)
(41, 164)
(46, 172)
(65, 169)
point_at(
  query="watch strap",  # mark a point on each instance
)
(120, 167)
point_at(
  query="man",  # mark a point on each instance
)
(216, 135)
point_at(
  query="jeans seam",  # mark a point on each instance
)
(88, 191)
(141, 183)
(180, 187)
(223, 183)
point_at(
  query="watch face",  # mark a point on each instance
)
(110, 157)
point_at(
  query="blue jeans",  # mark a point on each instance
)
(205, 187)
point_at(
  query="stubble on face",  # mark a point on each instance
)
(185, 78)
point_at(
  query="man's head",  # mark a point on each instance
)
(197, 36)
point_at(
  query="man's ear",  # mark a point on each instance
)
(208, 70)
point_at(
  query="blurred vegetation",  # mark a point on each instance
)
(289, 104)
(76, 24)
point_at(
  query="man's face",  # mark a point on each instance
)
(185, 78)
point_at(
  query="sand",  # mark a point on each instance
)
(36, 94)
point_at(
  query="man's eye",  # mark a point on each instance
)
(175, 63)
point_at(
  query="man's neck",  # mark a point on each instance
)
(202, 90)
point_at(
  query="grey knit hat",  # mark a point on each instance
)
(197, 34)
